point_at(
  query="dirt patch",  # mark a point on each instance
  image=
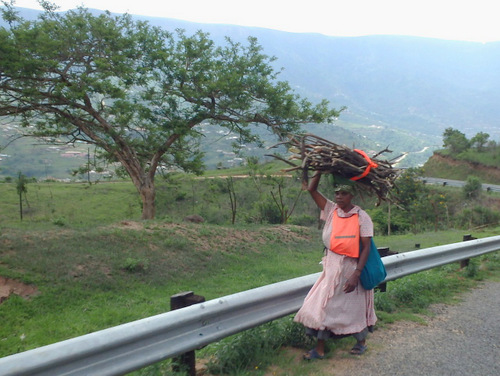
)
(132, 225)
(10, 286)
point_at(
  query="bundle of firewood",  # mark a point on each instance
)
(369, 174)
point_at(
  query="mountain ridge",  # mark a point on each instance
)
(399, 81)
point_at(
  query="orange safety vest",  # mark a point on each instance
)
(344, 239)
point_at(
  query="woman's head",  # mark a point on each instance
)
(343, 196)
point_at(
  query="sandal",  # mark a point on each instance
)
(358, 349)
(312, 354)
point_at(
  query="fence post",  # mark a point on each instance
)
(465, 263)
(186, 361)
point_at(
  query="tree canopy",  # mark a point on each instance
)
(455, 140)
(138, 92)
(480, 140)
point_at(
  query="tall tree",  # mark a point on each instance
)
(137, 92)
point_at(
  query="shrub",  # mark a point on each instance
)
(384, 303)
(134, 265)
(477, 216)
(61, 222)
(472, 187)
(400, 221)
(472, 269)
(303, 220)
(256, 347)
(269, 212)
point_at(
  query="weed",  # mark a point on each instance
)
(472, 269)
(253, 348)
(59, 221)
(134, 265)
(384, 303)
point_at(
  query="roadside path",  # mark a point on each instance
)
(460, 340)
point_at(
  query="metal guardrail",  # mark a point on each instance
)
(128, 347)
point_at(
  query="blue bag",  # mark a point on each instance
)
(374, 271)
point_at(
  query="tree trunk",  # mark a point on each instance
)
(143, 180)
(21, 205)
(148, 194)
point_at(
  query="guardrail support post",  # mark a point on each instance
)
(186, 361)
(465, 263)
(384, 251)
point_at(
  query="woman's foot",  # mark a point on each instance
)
(359, 349)
(313, 354)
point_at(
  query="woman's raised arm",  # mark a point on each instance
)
(312, 187)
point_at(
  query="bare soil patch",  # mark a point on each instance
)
(10, 286)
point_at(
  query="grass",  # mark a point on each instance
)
(84, 275)
(471, 163)
(74, 205)
(85, 284)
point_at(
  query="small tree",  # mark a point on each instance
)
(422, 206)
(455, 141)
(472, 188)
(479, 141)
(284, 199)
(21, 188)
(232, 198)
(410, 187)
(140, 93)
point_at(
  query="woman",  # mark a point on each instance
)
(338, 305)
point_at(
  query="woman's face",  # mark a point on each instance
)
(343, 199)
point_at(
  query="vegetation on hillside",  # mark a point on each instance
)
(461, 158)
(479, 149)
(431, 208)
(95, 265)
(251, 194)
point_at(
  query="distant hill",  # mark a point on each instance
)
(410, 83)
(401, 92)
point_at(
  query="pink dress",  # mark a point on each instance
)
(326, 306)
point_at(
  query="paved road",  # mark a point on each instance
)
(458, 183)
(461, 340)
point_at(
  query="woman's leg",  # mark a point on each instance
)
(360, 346)
(320, 347)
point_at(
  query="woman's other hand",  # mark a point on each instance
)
(352, 282)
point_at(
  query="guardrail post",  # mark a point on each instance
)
(186, 361)
(384, 251)
(465, 263)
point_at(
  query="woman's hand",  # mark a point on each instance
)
(352, 282)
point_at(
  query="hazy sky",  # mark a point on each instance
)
(446, 19)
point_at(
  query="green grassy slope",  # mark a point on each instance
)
(447, 167)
